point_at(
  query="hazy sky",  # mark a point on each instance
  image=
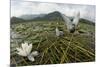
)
(19, 8)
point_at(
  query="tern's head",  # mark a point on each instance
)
(72, 30)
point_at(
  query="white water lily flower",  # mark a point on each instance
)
(58, 32)
(25, 50)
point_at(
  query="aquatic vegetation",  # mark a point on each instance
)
(52, 49)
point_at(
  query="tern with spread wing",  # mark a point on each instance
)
(71, 25)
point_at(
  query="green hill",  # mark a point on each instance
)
(16, 20)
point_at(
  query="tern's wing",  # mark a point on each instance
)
(76, 19)
(67, 21)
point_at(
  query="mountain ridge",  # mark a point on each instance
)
(47, 17)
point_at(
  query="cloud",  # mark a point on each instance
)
(24, 7)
